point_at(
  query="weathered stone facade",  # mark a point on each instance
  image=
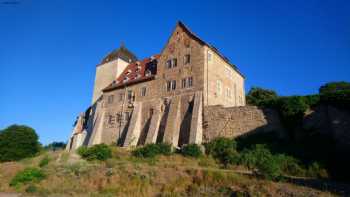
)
(164, 98)
(235, 121)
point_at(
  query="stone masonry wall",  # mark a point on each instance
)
(236, 121)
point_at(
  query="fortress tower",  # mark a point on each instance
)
(110, 68)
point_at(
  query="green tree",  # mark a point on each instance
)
(18, 142)
(260, 97)
(333, 87)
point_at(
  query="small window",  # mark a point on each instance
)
(126, 79)
(183, 83)
(168, 64)
(174, 63)
(121, 96)
(209, 56)
(190, 82)
(110, 99)
(173, 85)
(187, 59)
(111, 120)
(228, 93)
(130, 95)
(168, 86)
(218, 87)
(143, 91)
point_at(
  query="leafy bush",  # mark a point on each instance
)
(290, 165)
(261, 158)
(260, 97)
(292, 110)
(312, 100)
(191, 150)
(97, 152)
(18, 142)
(151, 150)
(26, 176)
(340, 98)
(223, 149)
(44, 161)
(315, 170)
(333, 87)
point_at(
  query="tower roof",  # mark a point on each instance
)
(122, 52)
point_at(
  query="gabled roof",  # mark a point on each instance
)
(122, 52)
(136, 72)
(202, 42)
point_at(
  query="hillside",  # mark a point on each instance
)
(126, 175)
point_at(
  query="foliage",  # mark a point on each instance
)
(292, 111)
(222, 149)
(97, 152)
(151, 150)
(333, 87)
(340, 98)
(259, 96)
(311, 100)
(27, 175)
(44, 161)
(18, 142)
(191, 150)
(290, 165)
(261, 158)
(315, 170)
(55, 146)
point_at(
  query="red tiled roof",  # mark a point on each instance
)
(136, 72)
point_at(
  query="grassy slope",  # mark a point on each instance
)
(125, 175)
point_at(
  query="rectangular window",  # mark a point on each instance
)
(143, 91)
(183, 83)
(121, 97)
(168, 86)
(111, 120)
(187, 59)
(174, 63)
(190, 82)
(228, 93)
(209, 56)
(130, 95)
(168, 64)
(110, 99)
(218, 87)
(173, 85)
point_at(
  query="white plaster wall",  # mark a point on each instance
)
(105, 74)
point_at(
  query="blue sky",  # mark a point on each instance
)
(49, 49)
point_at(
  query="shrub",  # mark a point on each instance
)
(26, 176)
(18, 142)
(44, 161)
(340, 98)
(260, 97)
(292, 110)
(97, 152)
(260, 157)
(151, 150)
(191, 150)
(312, 100)
(333, 87)
(223, 149)
(290, 165)
(315, 170)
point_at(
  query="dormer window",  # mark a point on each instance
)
(128, 72)
(138, 69)
(126, 79)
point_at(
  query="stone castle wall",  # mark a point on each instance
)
(235, 121)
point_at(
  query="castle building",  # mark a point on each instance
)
(160, 98)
